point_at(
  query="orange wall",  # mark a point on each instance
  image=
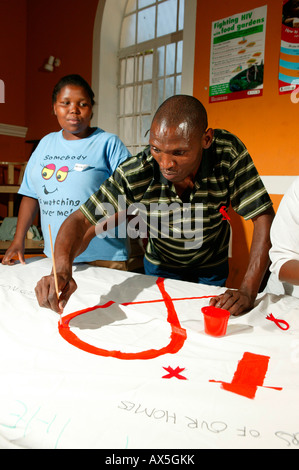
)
(13, 61)
(63, 29)
(268, 125)
(31, 31)
(13, 30)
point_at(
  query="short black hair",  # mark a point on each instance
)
(180, 108)
(73, 79)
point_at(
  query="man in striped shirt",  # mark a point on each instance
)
(178, 189)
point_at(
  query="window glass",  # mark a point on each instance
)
(147, 98)
(169, 87)
(179, 59)
(121, 101)
(148, 67)
(128, 31)
(146, 124)
(170, 58)
(181, 15)
(130, 70)
(161, 59)
(129, 100)
(145, 3)
(150, 64)
(128, 129)
(146, 24)
(167, 15)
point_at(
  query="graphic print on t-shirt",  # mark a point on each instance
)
(53, 176)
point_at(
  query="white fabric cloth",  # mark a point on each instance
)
(285, 240)
(55, 395)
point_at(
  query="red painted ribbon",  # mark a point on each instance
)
(177, 338)
(278, 322)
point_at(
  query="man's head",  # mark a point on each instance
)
(178, 136)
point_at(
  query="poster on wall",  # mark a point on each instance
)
(237, 56)
(289, 49)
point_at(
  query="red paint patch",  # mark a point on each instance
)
(250, 375)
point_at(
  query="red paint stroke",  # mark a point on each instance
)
(278, 322)
(250, 375)
(174, 373)
(177, 337)
(222, 211)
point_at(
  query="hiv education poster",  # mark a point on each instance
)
(289, 49)
(237, 56)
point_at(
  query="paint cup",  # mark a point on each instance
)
(215, 320)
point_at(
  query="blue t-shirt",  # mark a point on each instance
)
(62, 174)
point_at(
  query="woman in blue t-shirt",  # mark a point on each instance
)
(64, 170)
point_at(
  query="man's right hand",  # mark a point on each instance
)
(46, 293)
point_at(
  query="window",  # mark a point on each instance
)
(150, 64)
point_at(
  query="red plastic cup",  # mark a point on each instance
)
(215, 320)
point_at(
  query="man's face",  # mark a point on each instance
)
(177, 150)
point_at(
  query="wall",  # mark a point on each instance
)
(63, 29)
(13, 27)
(105, 58)
(29, 34)
(268, 125)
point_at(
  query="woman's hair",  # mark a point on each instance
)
(73, 79)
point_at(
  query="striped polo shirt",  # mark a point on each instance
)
(191, 230)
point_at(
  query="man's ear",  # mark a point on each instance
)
(207, 138)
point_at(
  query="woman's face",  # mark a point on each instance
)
(73, 110)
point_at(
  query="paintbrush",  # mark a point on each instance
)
(54, 270)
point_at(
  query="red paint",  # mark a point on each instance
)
(177, 338)
(174, 373)
(215, 320)
(278, 322)
(250, 375)
(222, 211)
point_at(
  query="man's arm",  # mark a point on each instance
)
(73, 237)
(242, 300)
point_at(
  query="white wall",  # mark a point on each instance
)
(105, 61)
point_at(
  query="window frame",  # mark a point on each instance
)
(105, 59)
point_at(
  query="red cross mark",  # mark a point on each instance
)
(250, 375)
(174, 373)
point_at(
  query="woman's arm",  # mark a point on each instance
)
(28, 209)
(289, 272)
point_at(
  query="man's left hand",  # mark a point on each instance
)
(235, 301)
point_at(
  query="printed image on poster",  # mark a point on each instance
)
(237, 56)
(289, 49)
